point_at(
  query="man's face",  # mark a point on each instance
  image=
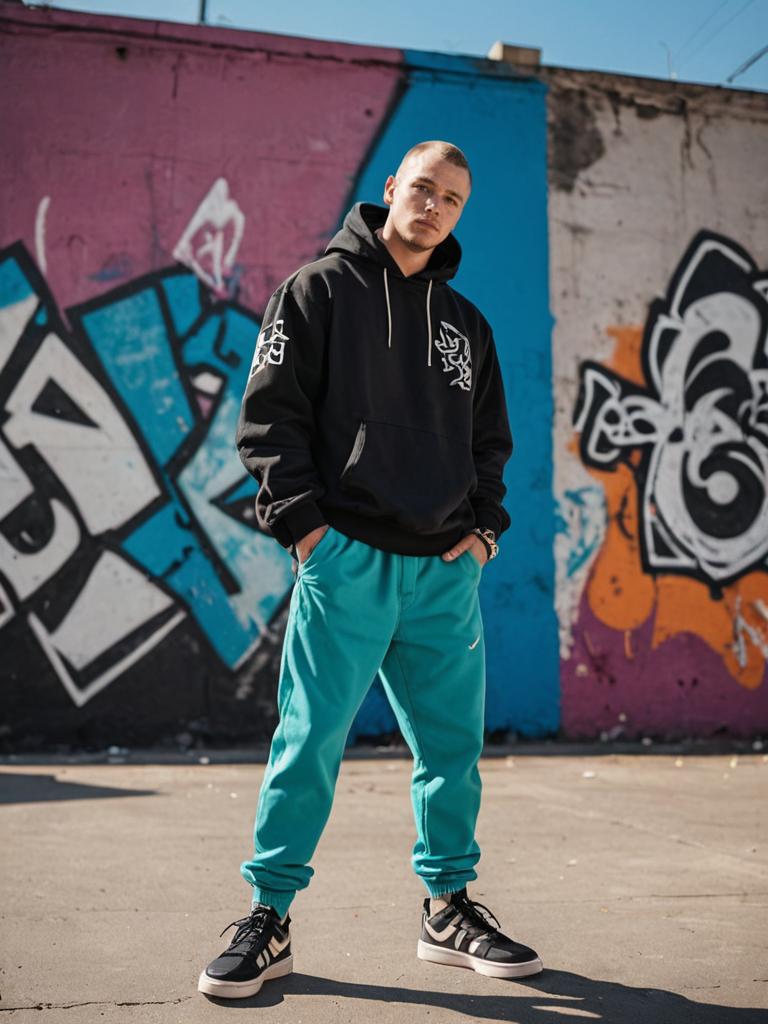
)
(426, 200)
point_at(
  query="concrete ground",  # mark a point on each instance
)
(641, 880)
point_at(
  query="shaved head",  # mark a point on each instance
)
(445, 150)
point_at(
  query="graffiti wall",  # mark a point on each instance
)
(163, 180)
(659, 276)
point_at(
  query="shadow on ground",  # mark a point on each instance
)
(17, 788)
(554, 997)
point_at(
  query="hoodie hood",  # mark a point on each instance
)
(357, 237)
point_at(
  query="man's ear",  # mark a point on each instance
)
(389, 189)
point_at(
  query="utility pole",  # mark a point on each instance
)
(203, 4)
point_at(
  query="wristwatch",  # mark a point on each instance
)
(488, 537)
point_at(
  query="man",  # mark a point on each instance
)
(374, 420)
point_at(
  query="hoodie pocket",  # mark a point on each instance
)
(414, 476)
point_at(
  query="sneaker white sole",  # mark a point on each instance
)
(243, 989)
(454, 958)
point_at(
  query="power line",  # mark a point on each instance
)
(717, 32)
(703, 25)
(747, 64)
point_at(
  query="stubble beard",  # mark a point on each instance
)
(417, 246)
(413, 245)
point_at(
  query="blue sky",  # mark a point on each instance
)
(701, 40)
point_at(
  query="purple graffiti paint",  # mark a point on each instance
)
(679, 689)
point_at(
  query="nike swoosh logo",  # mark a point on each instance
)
(474, 645)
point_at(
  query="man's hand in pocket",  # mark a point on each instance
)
(307, 544)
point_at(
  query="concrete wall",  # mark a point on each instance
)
(658, 218)
(162, 179)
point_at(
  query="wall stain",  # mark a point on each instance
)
(574, 140)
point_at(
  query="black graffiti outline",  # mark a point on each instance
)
(712, 264)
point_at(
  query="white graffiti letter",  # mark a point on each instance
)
(90, 449)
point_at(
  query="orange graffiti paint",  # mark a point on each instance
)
(731, 626)
(619, 592)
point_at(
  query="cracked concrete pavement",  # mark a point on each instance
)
(641, 880)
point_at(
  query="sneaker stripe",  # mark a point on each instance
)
(461, 934)
(276, 946)
(442, 936)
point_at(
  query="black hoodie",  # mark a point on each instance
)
(375, 402)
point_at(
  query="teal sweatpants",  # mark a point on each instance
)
(356, 611)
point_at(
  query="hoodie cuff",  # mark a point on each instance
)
(298, 523)
(489, 518)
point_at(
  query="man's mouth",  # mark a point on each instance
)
(428, 224)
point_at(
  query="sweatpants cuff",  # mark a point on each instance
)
(437, 889)
(281, 901)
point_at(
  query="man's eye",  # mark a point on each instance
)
(421, 188)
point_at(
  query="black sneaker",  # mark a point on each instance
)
(260, 950)
(461, 935)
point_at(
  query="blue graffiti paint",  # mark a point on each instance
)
(182, 292)
(168, 549)
(131, 339)
(502, 129)
(117, 267)
(14, 286)
(582, 518)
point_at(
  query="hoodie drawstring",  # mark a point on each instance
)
(429, 325)
(429, 317)
(389, 310)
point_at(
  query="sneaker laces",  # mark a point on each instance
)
(471, 909)
(249, 928)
